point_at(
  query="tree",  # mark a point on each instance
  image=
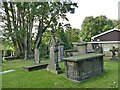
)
(72, 34)
(18, 25)
(92, 26)
(64, 38)
(19, 19)
(116, 23)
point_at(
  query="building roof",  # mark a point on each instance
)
(96, 42)
(104, 42)
(115, 29)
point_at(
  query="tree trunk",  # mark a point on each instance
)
(5, 4)
(26, 52)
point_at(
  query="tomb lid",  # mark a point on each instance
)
(79, 43)
(71, 50)
(82, 57)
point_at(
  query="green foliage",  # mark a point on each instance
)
(43, 50)
(9, 52)
(116, 23)
(46, 37)
(19, 21)
(64, 38)
(92, 26)
(72, 34)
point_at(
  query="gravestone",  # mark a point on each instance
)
(119, 53)
(113, 53)
(90, 48)
(99, 49)
(82, 47)
(36, 56)
(37, 64)
(53, 64)
(60, 49)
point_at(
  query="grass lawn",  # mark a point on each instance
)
(44, 79)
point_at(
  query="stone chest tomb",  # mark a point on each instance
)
(81, 67)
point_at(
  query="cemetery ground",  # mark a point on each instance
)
(44, 79)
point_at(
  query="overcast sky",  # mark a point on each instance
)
(109, 8)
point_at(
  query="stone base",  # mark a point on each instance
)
(55, 70)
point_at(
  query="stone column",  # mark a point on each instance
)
(53, 64)
(36, 56)
(60, 52)
(60, 49)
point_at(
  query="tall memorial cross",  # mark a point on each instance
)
(113, 53)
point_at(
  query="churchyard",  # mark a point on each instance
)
(38, 50)
(83, 70)
(44, 79)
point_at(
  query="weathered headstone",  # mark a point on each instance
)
(53, 64)
(60, 49)
(82, 47)
(90, 48)
(99, 49)
(36, 56)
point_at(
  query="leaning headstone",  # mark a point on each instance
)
(60, 49)
(36, 56)
(53, 64)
